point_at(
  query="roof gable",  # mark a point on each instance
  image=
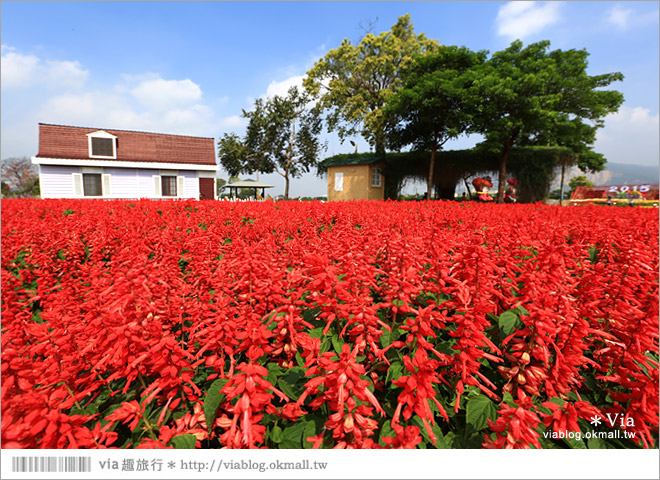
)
(61, 141)
(101, 134)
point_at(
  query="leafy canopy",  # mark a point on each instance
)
(354, 82)
(435, 103)
(281, 136)
(535, 97)
(578, 181)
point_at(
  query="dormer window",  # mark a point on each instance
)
(102, 145)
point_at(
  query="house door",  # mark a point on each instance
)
(206, 187)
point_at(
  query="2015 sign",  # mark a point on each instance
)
(626, 188)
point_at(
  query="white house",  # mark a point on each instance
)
(79, 162)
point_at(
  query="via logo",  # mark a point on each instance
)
(614, 419)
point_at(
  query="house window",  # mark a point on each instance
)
(168, 186)
(376, 178)
(92, 185)
(102, 147)
(339, 181)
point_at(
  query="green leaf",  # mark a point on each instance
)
(387, 337)
(294, 435)
(316, 333)
(440, 441)
(557, 401)
(337, 343)
(507, 322)
(274, 372)
(309, 315)
(309, 431)
(300, 360)
(386, 431)
(276, 434)
(186, 440)
(522, 311)
(292, 382)
(479, 410)
(213, 400)
(325, 344)
(596, 443)
(574, 443)
(394, 372)
(508, 399)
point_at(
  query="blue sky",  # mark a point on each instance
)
(191, 67)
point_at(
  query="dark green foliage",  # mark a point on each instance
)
(534, 167)
(436, 102)
(540, 97)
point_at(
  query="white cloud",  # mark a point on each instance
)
(65, 73)
(16, 69)
(233, 121)
(619, 16)
(282, 88)
(522, 19)
(116, 110)
(52, 91)
(626, 18)
(159, 94)
(92, 109)
(20, 71)
(630, 136)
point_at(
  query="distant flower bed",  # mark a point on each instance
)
(614, 201)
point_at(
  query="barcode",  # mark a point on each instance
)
(51, 464)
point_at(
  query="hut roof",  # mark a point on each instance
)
(247, 184)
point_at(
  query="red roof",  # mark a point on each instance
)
(61, 141)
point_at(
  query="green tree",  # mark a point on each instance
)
(535, 97)
(354, 82)
(578, 181)
(20, 176)
(435, 103)
(281, 136)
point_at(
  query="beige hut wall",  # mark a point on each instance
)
(357, 184)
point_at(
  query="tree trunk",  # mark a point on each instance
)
(289, 157)
(380, 145)
(501, 183)
(446, 191)
(561, 185)
(467, 188)
(429, 183)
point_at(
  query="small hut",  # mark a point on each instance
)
(355, 177)
(251, 184)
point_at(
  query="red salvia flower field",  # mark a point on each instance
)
(160, 324)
